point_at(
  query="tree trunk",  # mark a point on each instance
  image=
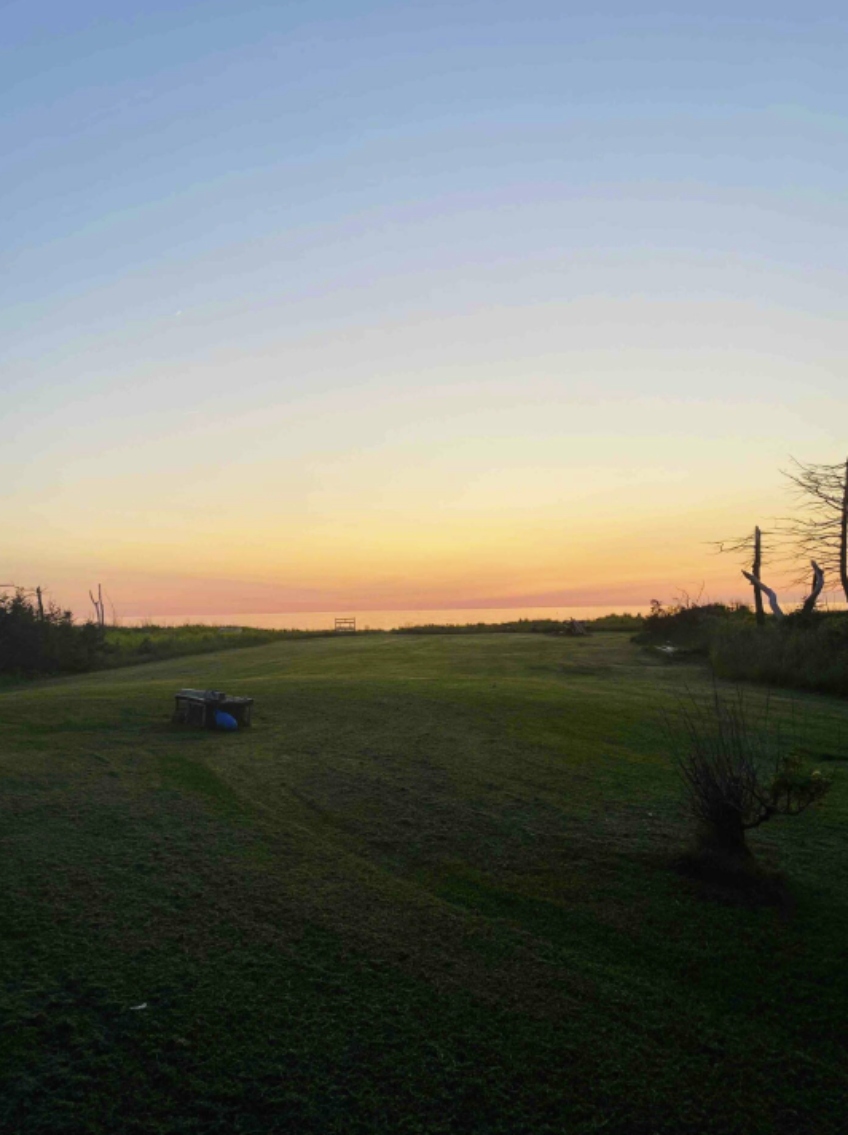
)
(725, 837)
(758, 585)
(815, 590)
(756, 567)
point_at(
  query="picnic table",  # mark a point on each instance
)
(198, 707)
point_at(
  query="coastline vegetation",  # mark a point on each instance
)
(38, 641)
(800, 651)
(125, 646)
(807, 652)
(613, 622)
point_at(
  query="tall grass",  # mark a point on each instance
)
(811, 655)
(125, 646)
(807, 652)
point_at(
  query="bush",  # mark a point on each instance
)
(801, 651)
(809, 653)
(527, 626)
(690, 626)
(33, 642)
(517, 626)
(739, 770)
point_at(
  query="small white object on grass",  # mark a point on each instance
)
(135, 1008)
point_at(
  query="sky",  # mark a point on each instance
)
(315, 306)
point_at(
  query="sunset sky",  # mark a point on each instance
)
(328, 306)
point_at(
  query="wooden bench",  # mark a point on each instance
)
(198, 707)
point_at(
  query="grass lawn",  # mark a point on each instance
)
(429, 891)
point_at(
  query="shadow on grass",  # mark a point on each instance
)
(733, 881)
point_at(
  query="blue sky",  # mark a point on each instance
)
(330, 235)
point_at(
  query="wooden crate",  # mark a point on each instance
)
(198, 707)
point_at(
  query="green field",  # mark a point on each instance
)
(429, 891)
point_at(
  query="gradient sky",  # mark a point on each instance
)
(326, 305)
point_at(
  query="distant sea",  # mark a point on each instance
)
(380, 620)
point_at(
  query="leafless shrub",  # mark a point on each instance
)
(739, 769)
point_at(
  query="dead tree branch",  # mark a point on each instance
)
(815, 591)
(98, 605)
(822, 532)
(758, 585)
(809, 603)
(750, 545)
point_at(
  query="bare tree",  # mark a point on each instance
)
(821, 533)
(809, 604)
(750, 545)
(761, 589)
(98, 605)
(815, 590)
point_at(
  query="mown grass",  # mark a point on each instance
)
(429, 891)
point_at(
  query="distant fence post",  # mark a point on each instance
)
(345, 626)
